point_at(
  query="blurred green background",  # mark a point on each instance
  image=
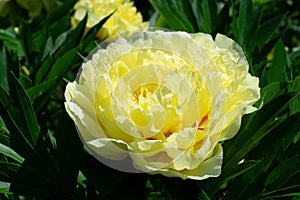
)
(41, 155)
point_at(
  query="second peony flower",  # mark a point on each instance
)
(161, 102)
(124, 16)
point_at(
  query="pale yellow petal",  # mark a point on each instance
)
(109, 148)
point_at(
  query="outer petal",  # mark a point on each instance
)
(81, 111)
(109, 148)
(209, 168)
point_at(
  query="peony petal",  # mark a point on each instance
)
(209, 168)
(109, 148)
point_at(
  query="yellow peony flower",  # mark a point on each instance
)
(163, 101)
(125, 18)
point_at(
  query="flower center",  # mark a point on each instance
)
(144, 92)
(140, 98)
(158, 107)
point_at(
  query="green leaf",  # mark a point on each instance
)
(282, 173)
(245, 15)
(45, 66)
(272, 90)
(259, 55)
(279, 64)
(49, 46)
(78, 32)
(63, 65)
(19, 117)
(4, 188)
(209, 9)
(25, 81)
(28, 44)
(55, 55)
(253, 25)
(91, 34)
(254, 127)
(183, 19)
(58, 64)
(295, 62)
(60, 26)
(235, 27)
(4, 70)
(296, 84)
(10, 153)
(39, 176)
(251, 184)
(196, 7)
(34, 7)
(61, 11)
(295, 105)
(4, 100)
(291, 189)
(40, 41)
(40, 89)
(11, 42)
(8, 170)
(50, 5)
(238, 170)
(223, 19)
(245, 26)
(277, 196)
(4, 136)
(27, 112)
(214, 185)
(68, 145)
(52, 47)
(153, 19)
(265, 32)
(203, 196)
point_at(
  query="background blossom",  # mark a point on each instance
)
(125, 16)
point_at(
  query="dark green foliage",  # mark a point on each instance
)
(182, 19)
(42, 157)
